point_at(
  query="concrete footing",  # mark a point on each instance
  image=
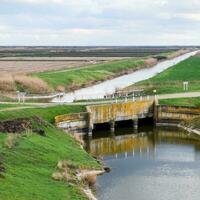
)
(135, 124)
(112, 126)
(90, 131)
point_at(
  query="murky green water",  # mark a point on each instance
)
(157, 164)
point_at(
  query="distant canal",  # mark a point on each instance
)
(109, 87)
(153, 164)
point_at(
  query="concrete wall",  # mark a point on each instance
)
(109, 113)
(175, 114)
(120, 111)
(72, 122)
(106, 113)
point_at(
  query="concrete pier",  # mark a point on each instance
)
(135, 124)
(112, 125)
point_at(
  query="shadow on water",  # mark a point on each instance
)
(158, 163)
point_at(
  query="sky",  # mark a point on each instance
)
(99, 22)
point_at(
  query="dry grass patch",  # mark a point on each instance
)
(11, 83)
(32, 84)
(151, 62)
(11, 140)
(7, 82)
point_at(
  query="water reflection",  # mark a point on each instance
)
(153, 164)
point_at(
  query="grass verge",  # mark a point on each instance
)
(171, 80)
(47, 114)
(193, 102)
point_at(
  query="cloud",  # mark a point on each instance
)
(99, 22)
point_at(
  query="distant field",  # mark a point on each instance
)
(120, 51)
(44, 75)
(39, 59)
(171, 80)
(37, 64)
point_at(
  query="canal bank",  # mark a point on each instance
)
(110, 86)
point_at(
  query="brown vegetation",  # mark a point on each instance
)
(31, 84)
(11, 83)
(7, 82)
(151, 62)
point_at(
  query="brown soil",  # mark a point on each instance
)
(21, 125)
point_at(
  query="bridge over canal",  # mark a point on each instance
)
(107, 113)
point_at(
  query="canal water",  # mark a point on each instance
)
(153, 164)
(109, 87)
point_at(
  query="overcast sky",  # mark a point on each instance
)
(99, 22)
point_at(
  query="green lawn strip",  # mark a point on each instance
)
(88, 74)
(192, 102)
(171, 80)
(47, 114)
(30, 164)
(5, 106)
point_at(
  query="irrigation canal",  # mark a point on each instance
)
(153, 164)
(109, 87)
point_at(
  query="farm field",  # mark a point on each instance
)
(86, 51)
(37, 64)
(33, 59)
(171, 80)
(44, 75)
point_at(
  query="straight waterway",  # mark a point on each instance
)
(109, 87)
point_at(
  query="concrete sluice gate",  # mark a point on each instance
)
(107, 115)
(113, 114)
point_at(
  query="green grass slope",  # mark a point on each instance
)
(171, 80)
(30, 163)
(47, 114)
(29, 166)
(192, 102)
(75, 78)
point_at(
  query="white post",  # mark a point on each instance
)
(185, 86)
(23, 97)
(126, 99)
(19, 99)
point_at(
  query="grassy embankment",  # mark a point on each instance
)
(171, 80)
(192, 102)
(76, 78)
(30, 163)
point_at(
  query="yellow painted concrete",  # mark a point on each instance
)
(119, 111)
